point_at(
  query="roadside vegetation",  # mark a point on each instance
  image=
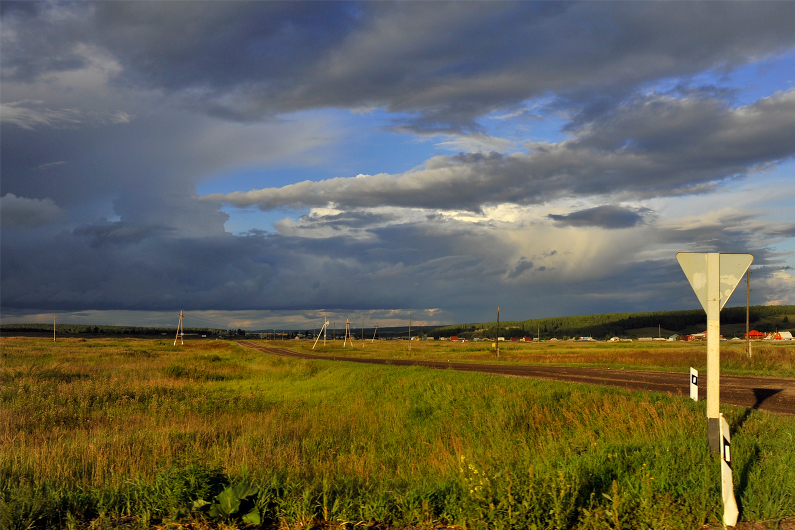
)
(128, 433)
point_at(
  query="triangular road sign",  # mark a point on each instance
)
(695, 266)
(731, 270)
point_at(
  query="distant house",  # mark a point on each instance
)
(514, 339)
(454, 338)
(782, 335)
(755, 335)
(527, 339)
(697, 336)
(586, 339)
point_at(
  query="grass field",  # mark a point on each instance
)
(113, 433)
(768, 358)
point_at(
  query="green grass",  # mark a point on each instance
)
(114, 433)
(769, 358)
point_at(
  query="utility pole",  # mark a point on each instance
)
(497, 338)
(54, 317)
(347, 333)
(409, 332)
(180, 328)
(748, 312)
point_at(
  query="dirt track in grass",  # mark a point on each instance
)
(772, 394)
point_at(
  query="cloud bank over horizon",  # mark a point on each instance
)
(292, 158)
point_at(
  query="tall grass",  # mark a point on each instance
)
(130, 432)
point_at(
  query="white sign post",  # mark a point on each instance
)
(713, 277)
(693, 384)
(730, 511)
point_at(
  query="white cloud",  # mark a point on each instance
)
(121, 117)
(50, 165)
(32, 114)
(780, 288)
(472, 143)
(19, 212)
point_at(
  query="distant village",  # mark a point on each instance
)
(752, 335)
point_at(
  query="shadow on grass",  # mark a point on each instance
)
(761, 395)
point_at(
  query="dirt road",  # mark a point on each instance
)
(773, 394)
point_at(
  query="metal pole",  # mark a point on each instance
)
(54, 317)
(713, 351)
(409, 332)
(497, 339)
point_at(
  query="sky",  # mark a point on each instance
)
(268, 165)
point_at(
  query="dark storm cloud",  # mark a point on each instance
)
(522, 266)
(149, 271)
(402, 266)
(123, 136)
(607, 216)
(445, 64)
(650, 146)
(115, 233)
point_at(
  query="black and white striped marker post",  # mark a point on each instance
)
(730, 511)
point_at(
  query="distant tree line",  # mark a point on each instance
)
(597, 326)
(613, 324)
(114, 330)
